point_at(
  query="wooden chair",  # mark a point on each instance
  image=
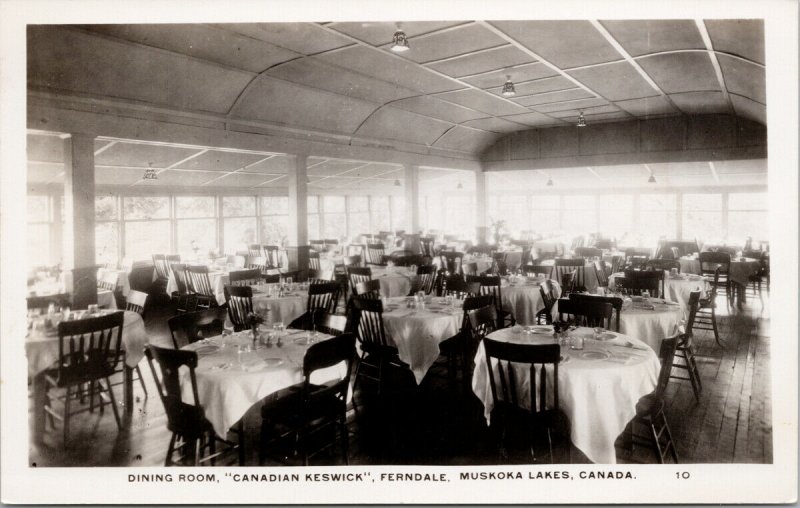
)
(460, 348)
(254, 251)
(589, 252)
(426, 246)
(451, 262)
(162, 270)
(108, 281)
(490, 285)
(332, 324)
(376, 254)
(308, 407)
(377, 352)
(186, 301)
(193, 326)
(356, 275)
(370, 289)
(547, 293)
(617, 264)
(615, 301)
(319, 276)
(650, 410)
(192, 433)
(709, 263)
(505, 363)
(706, 315)
(601, 273)
(470, 269)
(259, 263)
(665, 265)
(426, 278)
(323, 296)
(352, 261)
(136, 301)
(89, 351)
(272, 253)
(200, 286)
(240, 305)
(636, 282)
(456, 286)
(530, 270)
(250, 277)
(574, 266)
(587, 312)
(685, 349)
(314, 261)
(636, 257)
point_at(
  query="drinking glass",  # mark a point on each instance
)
(576, 342)
(93, 308)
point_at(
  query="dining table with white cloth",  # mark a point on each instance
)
(589, 275)
(522, 297)
(283, 306)
(218, 277)
(230, 381)
(677, 288)
(556, 247)
(394, 280)
(417, 332)
(598, 386)
(41, 349)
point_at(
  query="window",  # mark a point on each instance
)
(614, 215)
(312, 206)
(334, 218)
(701, 217)
(239, 232)
(40, 220)
(432, 213)
(358, 216)
(580, 215)
(147, 226)
(657, 217)
(106, 229)
(459, 216)
(545, 214)
(513, 209)
(380, 214)
(196, 225)
(274, 219)
(748, 217)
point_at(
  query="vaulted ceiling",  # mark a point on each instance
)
(444, 93)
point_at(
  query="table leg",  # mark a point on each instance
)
(39, 386)
(127, 389)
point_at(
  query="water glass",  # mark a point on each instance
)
(93, 308)
(576, 342)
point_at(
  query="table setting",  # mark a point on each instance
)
(395, 280)
(283, 302)
(602, 375)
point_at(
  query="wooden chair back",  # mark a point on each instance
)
(367, 321)
(426, 278)
(160, 264)
(108, 280)
(240, 305)
(615, 301)
(249, 277)
(254, 251)
(489, 286)
(199, 282)
(43, 302)
(351, 261)
(321, 355)
(272, 253)
(482, 322)
(181, 279)
(692, 305)
(193, 326)
(323, 296)
(710, 261)
(451, 262)
(426, 246)
(89, 349)
(183, 418)
(332, 324)
(547, 292)
(587, 311)
(530, 270)
(136, 301)
(358, 274)
(314, 261)
(571, 265)
(664, 265)
(369, 289)
(375, 254)
(601, 272)
(637, 281)
(588, 252)
(456, 286)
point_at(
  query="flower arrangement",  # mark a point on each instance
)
(497, 226)
(562, 326)
(254, 320)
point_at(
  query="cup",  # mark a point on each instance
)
(673, 271)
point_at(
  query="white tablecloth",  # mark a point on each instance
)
(689, 265)
(676, 289)
(541, 246)
(524, 300)
(217, 278)
(229, 384)
(417, 333)
(106, 300)
(395, 281)
(589, 276)
(42, 348)
(598, 396)
(283, 309)
(740, 270)
(123, 281)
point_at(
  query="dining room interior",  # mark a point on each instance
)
(398, 243)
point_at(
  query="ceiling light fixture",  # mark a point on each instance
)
(508, 88)
(581, 120)
(399, 41)
(150, 173)
(549, 182)
(396, 183)
(652, 178)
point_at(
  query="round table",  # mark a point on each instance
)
(285, 308)
(417, 332)
(589, 275)
(650, 322)
(523, 299)
(395, 281)
(676, 288)
(598, 396)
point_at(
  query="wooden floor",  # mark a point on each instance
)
(436, 424)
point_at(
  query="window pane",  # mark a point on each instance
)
(398, 213)
(513, 209)
(658, 202)
(333, 204)
(658, 218)
(143, 239)
(196, 233)
(38, 245)
(579, 215)
(615, 215)
(190, 207)
(313, 227)
(460, 216)
(335, 226)
(744, 224)
(105, 207)
(434, 212)
(358, 223)
(274, 205)
(748, 201)
(312, 205)
(274, 229)
(38, 208)
(239, 233)
(379, 214)
(105, 241)
(146, 207)
(358, 203)
(545, 202)
(238, 206)
(545, 214)
(702, 216)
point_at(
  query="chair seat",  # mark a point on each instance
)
(452, 344)
(189, 421)
(72, 376)
(648, 406)
(286, 406)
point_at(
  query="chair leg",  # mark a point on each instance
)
(714, 325)
(240, 429)
(345, 439)
(66, 416)
(670, 442)
(656, 444)
(141, 381)
(170, 450)
(212, 448)
(113, 402)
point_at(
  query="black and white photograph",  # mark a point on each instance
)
(430, 254)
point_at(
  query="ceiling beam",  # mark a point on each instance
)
(242, 169)
(104, 148)
(176, 164)
(701, 26)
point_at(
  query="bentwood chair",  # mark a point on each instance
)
(200, 286)
(574, 266)
(250, 277)
(192, 434)
(490, 286)
(307, 407)
(240, 306)
(685, 349)
(89, 351)
(509, 366)
(378, 354)
(193, 326)
(587, 312)
(650, 410)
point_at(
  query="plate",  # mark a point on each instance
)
(595, 355)
(207, 349)
(606, 336)
(542, 329)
